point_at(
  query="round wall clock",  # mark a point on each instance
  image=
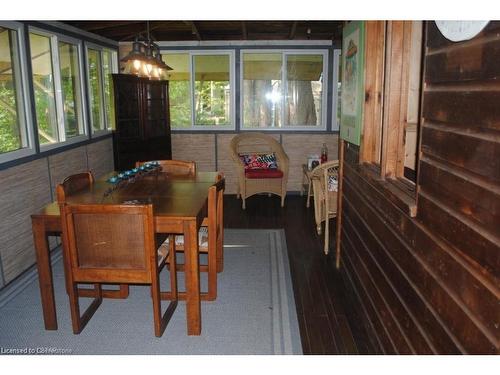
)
(458, 31)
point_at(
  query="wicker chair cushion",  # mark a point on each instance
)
(263, 173)
(259, 161)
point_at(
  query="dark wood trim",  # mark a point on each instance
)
(244, 30)
(194, 29)
(293, 30)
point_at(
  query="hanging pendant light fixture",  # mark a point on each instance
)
(145, 59)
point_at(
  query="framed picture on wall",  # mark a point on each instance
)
(353, 52)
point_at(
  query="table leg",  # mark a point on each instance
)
(308, 194)
(44, 274)
(192, 275)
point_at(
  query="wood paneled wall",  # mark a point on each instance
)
(430, 284)
(26, 188)
(211, 152)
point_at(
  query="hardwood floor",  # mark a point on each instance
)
(327, 310)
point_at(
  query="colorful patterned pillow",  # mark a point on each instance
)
(333, 183)
(259, 161)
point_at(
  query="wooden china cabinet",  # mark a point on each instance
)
(142, 127)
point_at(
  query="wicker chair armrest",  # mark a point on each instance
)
(282, 160)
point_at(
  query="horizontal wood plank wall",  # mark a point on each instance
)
(430, 284)
(26, 188)
(197, 147)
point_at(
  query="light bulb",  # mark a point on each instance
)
(137, 64)
(154, 73)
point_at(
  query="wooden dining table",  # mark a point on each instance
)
(179, 205)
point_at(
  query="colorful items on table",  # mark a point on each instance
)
(141, 170)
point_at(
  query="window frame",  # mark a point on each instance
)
(108, 128)
(56, 71)
(286, 52)
(382, 151)
(335, 90)
(114, 70)
(83, 113)
(26, 124)
(232, 80)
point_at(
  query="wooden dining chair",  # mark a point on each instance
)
(174, 166)
(210, 238)
(72, 185)
(115, 244)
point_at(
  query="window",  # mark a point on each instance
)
(101, 63)
(262, 90)
(71, 89)
(57, 85)
(43, 85)
(201, 89)
(179, 90)
(284, 89)
(212, 90)
(15, 134)
(108, 68)
(95, 90)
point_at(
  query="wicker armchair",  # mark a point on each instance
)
(325, 196)
(250, 184)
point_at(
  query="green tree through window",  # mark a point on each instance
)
(10, 137)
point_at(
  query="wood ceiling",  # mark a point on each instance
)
(215, 30)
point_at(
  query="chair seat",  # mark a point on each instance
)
(179, 240)
(162, 253)
(263, 173)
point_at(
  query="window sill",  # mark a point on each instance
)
(70, 141)
(286, 129)
(398, 191)
(16, 154)
(100, 133)
(203, 128)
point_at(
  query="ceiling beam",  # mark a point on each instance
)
(121, 30)
(293, 30)
(143, 31)
(244, 30)
(101, 25)
(194, 29)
